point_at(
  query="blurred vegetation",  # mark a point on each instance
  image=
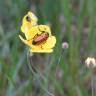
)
(72, 21)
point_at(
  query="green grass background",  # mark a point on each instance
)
(73, 21)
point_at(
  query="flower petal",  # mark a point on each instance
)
(50, 43)
(33, 17)
(41, 50)
(32, 32)
(26, 25)
(45, 28)
(29, 43)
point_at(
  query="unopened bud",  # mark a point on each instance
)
(65, 45)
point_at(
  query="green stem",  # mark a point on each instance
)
(58, 63)
(92, 82)
(36, 73)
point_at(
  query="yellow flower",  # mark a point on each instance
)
(38, 37)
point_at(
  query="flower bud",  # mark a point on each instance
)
(65, 45)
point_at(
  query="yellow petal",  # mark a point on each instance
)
(29, 43)
(33, 17)
(25, 28)
(26, 25)
(41, 50)
(44, 28)
(50, 43)
(32, 32)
